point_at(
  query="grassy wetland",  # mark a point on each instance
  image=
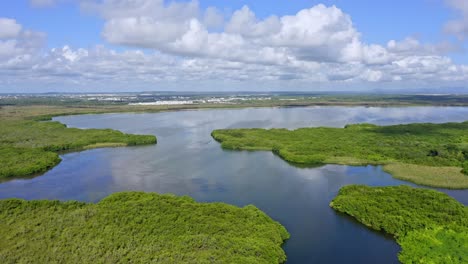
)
(427, 154)
(430, 226)
(137, 227)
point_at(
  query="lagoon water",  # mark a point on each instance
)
(187, 161)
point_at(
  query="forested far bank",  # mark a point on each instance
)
(29, 147)
(424, 153)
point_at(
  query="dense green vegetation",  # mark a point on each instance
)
(28, 147)
(430, 226)
(137, 227)
(398, 210)
(433, 147)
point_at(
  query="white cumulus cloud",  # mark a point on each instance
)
(16, 41)
(182, 46)
(9, 28)
(458, 27)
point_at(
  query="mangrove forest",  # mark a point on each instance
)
(29, 146)
(137, 227)
(423, 153)
(430, 226)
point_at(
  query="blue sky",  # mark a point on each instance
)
(337, 45)
(379, 21)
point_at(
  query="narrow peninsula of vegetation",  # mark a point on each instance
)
(28, 146)
(430, 226)
(428, 154)
(137, 227)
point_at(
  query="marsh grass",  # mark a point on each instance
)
(105, 145)
(443, 177)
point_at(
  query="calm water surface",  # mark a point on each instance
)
(187, 161)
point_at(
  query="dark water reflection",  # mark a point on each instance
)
(187, 161)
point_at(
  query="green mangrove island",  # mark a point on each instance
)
(430, 226)
(137, 227)
(29, 146)
(427, 154)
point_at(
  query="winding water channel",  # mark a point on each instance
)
(187, 161)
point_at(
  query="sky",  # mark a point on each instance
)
(235, 45)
